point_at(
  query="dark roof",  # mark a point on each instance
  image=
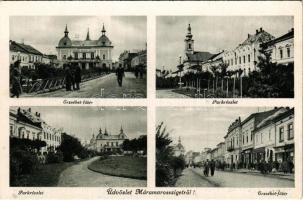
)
(28, 117)
(259, 116)
(286, 36)
(261, 37)
(285, 114)
(199, 56)
(15, 46)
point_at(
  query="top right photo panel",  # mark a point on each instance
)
(225, 57)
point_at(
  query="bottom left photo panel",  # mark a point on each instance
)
(77, 146)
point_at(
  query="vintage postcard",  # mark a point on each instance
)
(151, 100)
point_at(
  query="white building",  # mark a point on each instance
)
(27, 125)
(245, 55)
(282, 48)
(88, 53)
(26, 54)
(179, 149)
(106, 142)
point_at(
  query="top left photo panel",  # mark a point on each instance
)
(78, 56)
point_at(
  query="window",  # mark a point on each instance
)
(239, 60)
(112, 144)
(281, 134)
(189, 46)
(117, 144)
(290, 131)
(64, 57)
(103, 56)
(248, 58)
(84, 55)
(288, 52)
(261, 138)
(232, 61)
(76, 55)
(92, 55)
(269, 134)
(281, 53)
(246, 138)
(235, 61)
(243, 139)
(44, 135)
(243, 59)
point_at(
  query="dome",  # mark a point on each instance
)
(65, 42)
(104, 41)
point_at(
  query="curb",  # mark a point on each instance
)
(264, 175)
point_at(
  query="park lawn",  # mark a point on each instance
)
(123, 166)
(45, 176)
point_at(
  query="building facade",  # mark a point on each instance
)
(106, 142)
(179, 149)
(284, 136)
(281, 49)
(87, 53)
(233, 143)
(26, 54)
(27, 125)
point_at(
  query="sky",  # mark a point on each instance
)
(44, 32)
(82, 121)
(201, 127)
(210, 33)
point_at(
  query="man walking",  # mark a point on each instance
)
(77, 77)
(120, 74)
(212, 167)
(206, 168)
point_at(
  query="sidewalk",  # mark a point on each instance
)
(272, 174)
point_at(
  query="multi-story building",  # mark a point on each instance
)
(139, 61)
(106, 142)
(281, 49)
(246, 55)
(264, 136)
(25, 54)
(233, 143)
(221, 151)
(126, 57)
(27, 125)
(284, 136)
(87, 53)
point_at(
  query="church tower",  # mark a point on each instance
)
(189, 42)
(87, 36)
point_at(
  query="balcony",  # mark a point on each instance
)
(230, 148)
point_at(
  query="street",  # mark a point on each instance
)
(169, 94)
(193, 177)
(80, 176)
(103, 87)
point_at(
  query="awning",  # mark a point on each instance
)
(259, 150)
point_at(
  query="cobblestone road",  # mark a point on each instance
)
(104, 87)
(80, 176)
(191, 179)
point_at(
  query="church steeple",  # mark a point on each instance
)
(66, 31)
(179, 140)
(121, 130)
(189, 42)
(105, 132)
(87, 36)
(103, 30)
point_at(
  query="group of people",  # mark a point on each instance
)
(209, 165)
(72, 77)
(139, 71)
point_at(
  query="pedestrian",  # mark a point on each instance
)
(120, 74)
(15, 75)
(141, 72)
(136, 72)
(290, 165)
(284, 167)
(68, 78)
(77, 77)
(72, 69)
(212, 167)
(206, 168)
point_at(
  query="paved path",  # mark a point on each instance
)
(131, 88)
(169, 94)
(239, 180)
(190, 179)
(80, 176)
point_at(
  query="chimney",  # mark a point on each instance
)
(257, 31)
(275, 107)
(239, 119)
(36, 114)
(19, 109)
(261, 29)
(291, 30)
(29, 110)
(248, 35)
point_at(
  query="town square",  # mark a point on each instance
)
(57, 147)
(225, 57)
(241, 147)
(85, 57)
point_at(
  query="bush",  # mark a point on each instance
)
(21, 162)
(54, 157)
(164, 175)
(178, 164)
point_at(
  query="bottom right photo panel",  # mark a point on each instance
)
(241, 147)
